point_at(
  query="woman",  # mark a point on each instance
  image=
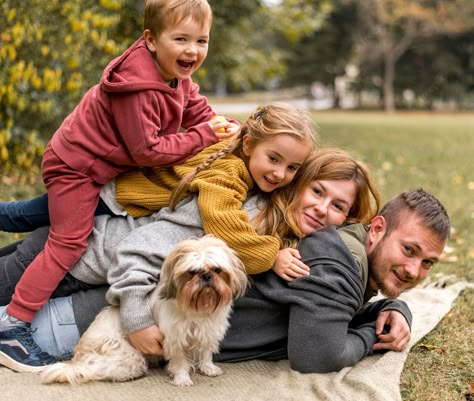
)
(332, 189)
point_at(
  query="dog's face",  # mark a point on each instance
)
(202, 275)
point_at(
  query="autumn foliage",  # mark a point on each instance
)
(50, 54)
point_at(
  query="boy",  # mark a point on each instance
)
(130, 119)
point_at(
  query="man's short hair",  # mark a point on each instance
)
(424, 205)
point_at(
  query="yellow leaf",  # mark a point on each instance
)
(431, 347)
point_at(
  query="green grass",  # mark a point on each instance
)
(436, 152)
(406, 150)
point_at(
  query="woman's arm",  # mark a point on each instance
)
(134, 270)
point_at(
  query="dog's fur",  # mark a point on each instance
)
(191, 306)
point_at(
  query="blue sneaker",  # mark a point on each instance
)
(19, 352)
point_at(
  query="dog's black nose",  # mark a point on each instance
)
(206, 277)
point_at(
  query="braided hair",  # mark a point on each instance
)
(263, 124)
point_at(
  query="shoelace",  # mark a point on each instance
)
(25, 335)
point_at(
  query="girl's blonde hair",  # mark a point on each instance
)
(264, 124)
(278, 215)
(162, 13)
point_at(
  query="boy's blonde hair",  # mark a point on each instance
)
(264, 124)
(278, 215)
(162, 13)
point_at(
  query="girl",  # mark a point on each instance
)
(333, 188)
(270, 148)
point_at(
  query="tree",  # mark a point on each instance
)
(50, 53)
(391, 27)
(324, 54)
(245, 50)
(446, 66)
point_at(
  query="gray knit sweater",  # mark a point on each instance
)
(128, 253)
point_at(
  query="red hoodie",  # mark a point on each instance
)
(131, 118)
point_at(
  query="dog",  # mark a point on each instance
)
(191, 305)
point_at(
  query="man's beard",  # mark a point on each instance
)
(376, 259)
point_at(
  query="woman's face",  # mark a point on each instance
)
(324, 203)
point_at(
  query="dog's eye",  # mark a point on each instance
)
(192, 272)
(217, 270)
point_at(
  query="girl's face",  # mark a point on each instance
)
(273, 163)
(180, 49)
(324, 203)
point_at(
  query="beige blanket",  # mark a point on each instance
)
(374, 378)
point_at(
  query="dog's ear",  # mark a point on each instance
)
(167, 291)
(167, 288)
(239, 277)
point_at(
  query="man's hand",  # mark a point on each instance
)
(399, 335)
(148, 340)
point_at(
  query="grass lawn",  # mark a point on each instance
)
(435, 152)
(405, 150)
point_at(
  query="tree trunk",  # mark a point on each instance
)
(389, 76)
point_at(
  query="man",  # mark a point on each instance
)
(324, 322)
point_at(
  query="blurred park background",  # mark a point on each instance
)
(390, 80)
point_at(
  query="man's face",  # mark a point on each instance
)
(402, 259)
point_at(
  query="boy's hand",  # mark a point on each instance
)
(223, 128)
(148, 340)
(289, 266)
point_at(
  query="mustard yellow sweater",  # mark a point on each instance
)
(222, 189)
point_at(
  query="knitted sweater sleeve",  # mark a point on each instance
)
(142, 192)
(220, 198)
(139, 195)
(134, 270)
(133, 274)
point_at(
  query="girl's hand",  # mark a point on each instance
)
(289, 266)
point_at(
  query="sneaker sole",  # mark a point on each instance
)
(10, 363)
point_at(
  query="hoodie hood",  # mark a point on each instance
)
(135, 70)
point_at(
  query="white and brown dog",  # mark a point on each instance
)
(191, 305)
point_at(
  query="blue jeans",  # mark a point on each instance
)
(54, 327)
(16, 257)
(27, 215)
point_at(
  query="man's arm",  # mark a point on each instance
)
(320, 338)
(392, 319)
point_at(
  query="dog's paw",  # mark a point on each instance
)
(181, 380)
(210, 369)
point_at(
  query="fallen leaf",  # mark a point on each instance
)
(470, 392)
(431, 347)
(470, 253)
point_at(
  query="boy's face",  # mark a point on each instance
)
(180, 49)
